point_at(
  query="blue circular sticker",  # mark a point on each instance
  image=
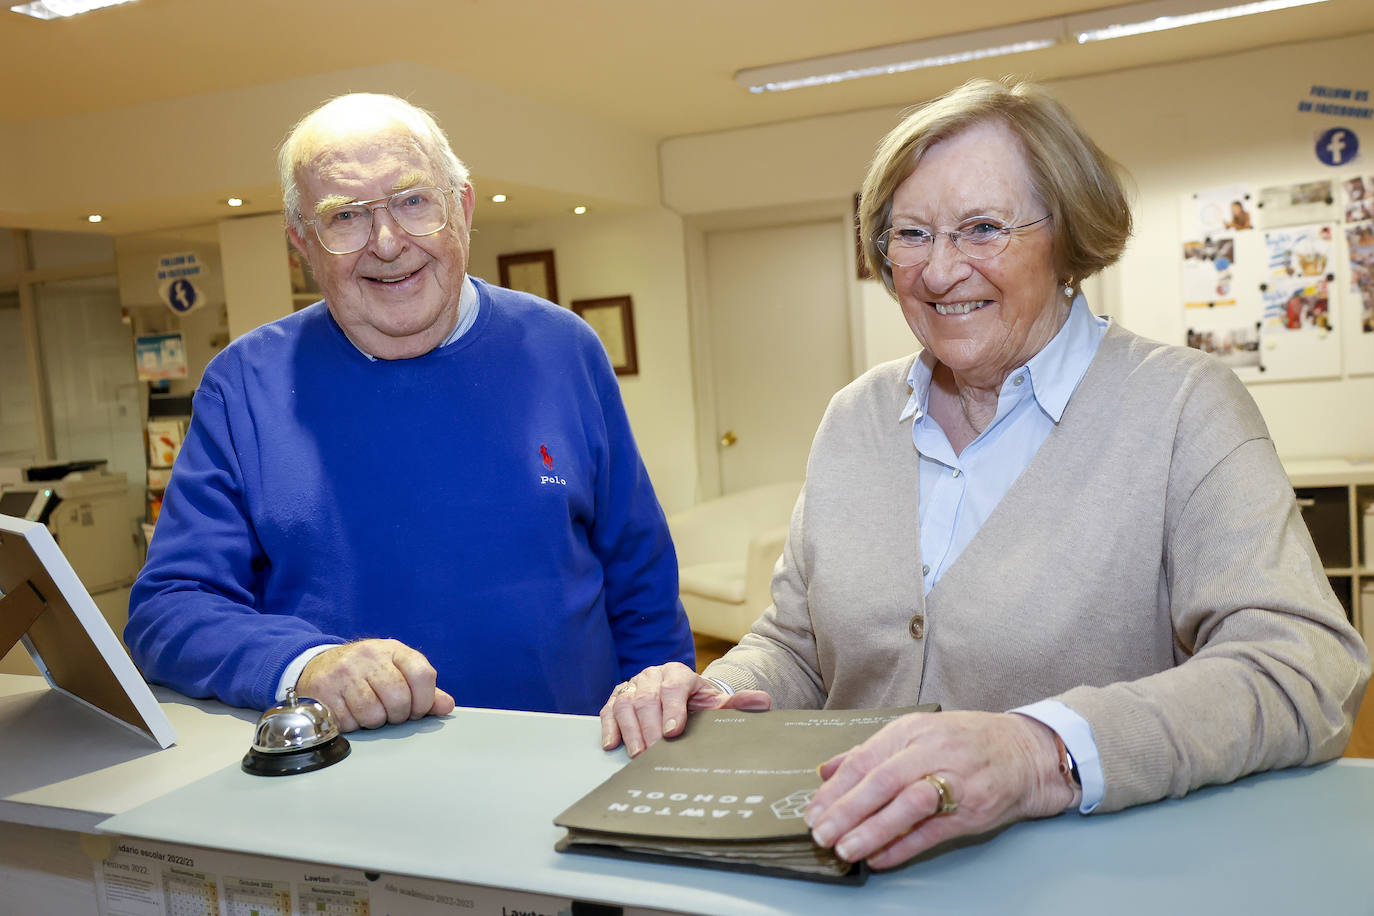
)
(182, 295)
(1337, 146)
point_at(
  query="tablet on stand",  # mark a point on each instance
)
(44, 605)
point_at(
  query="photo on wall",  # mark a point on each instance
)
(1359, 241)
(1209, 273)
(1294, 204)
(1305, 306)
(1299, 253)
(1218, 211)
(1359, 198)
(1237, 347)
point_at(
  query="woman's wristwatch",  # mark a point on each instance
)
(1068, 768)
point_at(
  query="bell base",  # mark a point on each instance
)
(292, 762)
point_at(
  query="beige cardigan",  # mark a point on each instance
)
(1150, 569)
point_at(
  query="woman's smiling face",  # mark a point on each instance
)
(980, 318)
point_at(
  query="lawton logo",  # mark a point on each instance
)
(706, 805)
(711, 806)
(792, 806)
(548, 465)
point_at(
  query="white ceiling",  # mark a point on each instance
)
(660, 69)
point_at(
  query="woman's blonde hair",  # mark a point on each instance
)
(1072, 177)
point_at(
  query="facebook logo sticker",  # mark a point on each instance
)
(1337, 146)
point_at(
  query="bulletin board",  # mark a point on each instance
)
(1278, 280)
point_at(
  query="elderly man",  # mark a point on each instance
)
(421, 490)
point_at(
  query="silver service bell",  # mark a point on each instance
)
(297, 736)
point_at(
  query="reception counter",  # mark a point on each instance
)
(467, 802)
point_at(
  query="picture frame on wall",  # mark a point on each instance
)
(860, 264)
(613, 320)
(529, 272)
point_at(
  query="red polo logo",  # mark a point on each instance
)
(548, 459)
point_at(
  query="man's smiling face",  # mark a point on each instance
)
(397, 297)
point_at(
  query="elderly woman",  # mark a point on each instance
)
(1079, 542)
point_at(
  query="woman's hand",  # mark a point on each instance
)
(654, 704)
(883, 800)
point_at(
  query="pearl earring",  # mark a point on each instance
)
(1068, 290)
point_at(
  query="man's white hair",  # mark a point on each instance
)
(363, 109)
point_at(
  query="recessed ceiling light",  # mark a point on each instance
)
(235, 201)
(579, 210)
(498, 198)
(94, 218)
(56, 9)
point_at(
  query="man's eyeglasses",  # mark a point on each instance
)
(980, 237)
(346, 229)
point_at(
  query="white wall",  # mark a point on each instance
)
(257, 277)
(52, 250)
(886, 334)
(638, 254)
(1176, 129)
(1213, 122)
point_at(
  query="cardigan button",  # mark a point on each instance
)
(918, 626)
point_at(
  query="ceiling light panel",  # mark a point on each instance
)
(1116, 22)
(58, 9)
(900, 58)
(1142, 18)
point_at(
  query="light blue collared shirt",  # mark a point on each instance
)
(959, 492)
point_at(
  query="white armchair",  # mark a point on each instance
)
(726, 551)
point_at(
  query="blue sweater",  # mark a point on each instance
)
(484, 503)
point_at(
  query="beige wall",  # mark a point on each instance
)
(640, 255)
(1208, 123)
(212, 145)
(257, 278)
(1177, 129)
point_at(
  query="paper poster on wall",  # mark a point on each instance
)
(1296, 339)
(1359, 241)
(1294, 204)
(1218, 211)
(1359, 198)
(1359, 348)
(160, 356)
(1208, 273)
(1222, 266)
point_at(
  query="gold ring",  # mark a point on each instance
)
(947, 803)
(623, 687)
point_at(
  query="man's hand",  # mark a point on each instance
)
(372, 682)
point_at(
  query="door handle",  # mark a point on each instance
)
(728, 439)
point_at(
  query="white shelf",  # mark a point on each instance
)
(1350, 485)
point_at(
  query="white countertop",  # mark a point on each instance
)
(471, 798)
